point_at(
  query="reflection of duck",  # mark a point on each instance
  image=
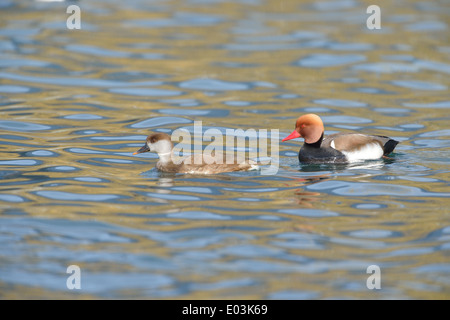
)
(196, 164)
(338, 147)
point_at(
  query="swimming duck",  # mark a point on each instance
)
(338, 147)
(196, 164)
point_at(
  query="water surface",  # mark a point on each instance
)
(75, 105)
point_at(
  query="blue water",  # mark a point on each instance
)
(75, 105)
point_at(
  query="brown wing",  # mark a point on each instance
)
(208, 164)
(351, 141)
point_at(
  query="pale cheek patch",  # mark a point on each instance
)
(370, 151)
(332, 144)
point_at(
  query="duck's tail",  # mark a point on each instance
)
(389, 146)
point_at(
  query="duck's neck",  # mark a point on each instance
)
(165, 158)
(315, 144)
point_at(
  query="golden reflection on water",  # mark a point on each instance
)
(306, 232)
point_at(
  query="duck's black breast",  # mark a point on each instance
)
(316, 153)
(310, 154)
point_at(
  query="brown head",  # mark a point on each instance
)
(157, 142)
(309, 126)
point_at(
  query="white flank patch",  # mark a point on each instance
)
(370, 151)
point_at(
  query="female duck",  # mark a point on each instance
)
(196, 164)
(338, 147)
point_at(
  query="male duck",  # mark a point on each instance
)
(338, 147)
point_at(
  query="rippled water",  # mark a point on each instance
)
(75, 104)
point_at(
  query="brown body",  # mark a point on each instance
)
(196, 164)
(200, 164)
